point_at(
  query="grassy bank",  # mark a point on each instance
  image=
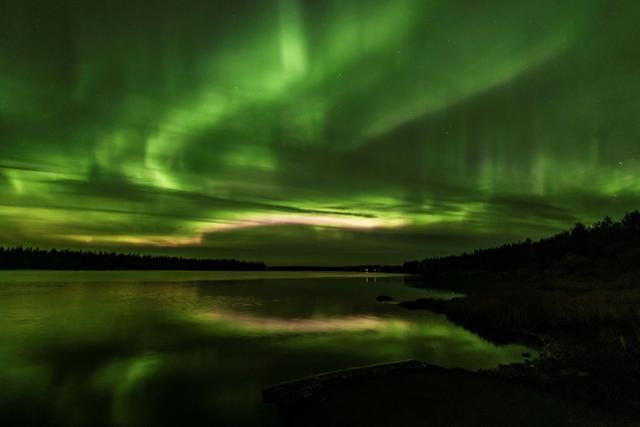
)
(588, 332)
(416, 394)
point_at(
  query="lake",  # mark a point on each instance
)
(197, 348)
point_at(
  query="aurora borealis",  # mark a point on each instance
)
(314, 132)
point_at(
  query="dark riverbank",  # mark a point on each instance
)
(575, 295)
(586, 374)
(417, 394)
(588, 331)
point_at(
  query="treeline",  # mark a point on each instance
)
(38, 259)
(607, 247)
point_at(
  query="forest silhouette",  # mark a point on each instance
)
(605, 249)
(39, 259)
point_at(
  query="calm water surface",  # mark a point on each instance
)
(196, 348)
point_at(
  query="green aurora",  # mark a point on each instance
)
(314, 132)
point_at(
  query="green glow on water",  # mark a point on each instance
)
(80, 348)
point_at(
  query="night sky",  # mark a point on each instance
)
(314, 132)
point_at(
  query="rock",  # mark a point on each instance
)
(384, 298)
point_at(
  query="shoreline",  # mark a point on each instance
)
(573, 367)
(571, 363)
(412, 393)
(174, 275)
